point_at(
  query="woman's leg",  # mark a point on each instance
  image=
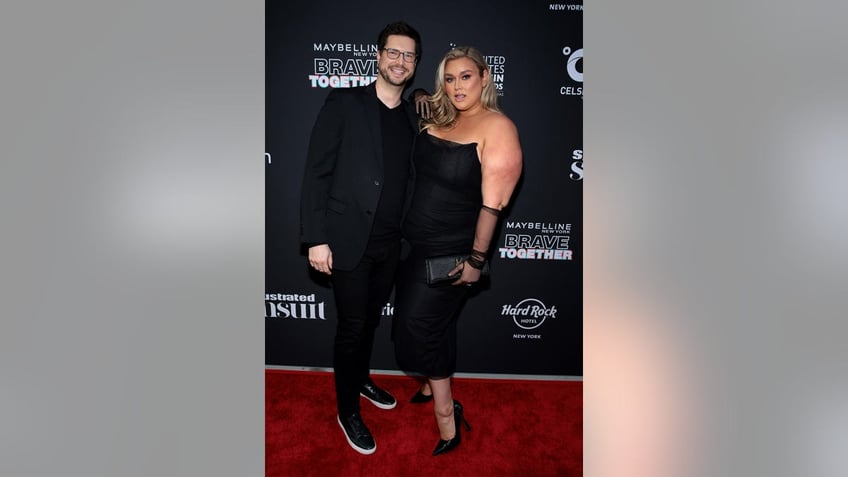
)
(425, 388)
(443, 406)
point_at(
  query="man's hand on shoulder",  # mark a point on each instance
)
(422, 103)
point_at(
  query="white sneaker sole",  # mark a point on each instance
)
(355, 447)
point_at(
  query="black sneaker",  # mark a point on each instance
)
(358, 436)
(379, 397)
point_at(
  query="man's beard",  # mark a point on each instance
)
(384, 72)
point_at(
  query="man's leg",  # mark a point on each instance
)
(351, 290)
(351, 294)
(380, 285)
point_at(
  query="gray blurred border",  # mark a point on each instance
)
(715, 146)
(133, 238)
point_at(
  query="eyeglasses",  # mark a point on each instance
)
(393, 54)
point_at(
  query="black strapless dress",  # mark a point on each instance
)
(441, 220)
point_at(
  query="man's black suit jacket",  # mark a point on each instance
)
(343, 177)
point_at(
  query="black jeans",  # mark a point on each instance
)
(360, 296)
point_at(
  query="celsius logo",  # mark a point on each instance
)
(571, 65)
(576, 74)
(529, 313)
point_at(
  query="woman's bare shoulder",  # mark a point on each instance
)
(498, 123)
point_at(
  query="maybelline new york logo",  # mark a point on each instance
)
(574, 69)
(529, 314)
(536, 241)
(343, 65)
(303, 307)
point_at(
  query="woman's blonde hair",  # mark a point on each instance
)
(443, 113)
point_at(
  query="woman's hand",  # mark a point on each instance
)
(468, 274)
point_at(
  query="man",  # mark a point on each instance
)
(355, 183)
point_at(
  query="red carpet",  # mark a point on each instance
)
(518, 428)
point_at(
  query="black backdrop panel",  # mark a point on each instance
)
(528, 318)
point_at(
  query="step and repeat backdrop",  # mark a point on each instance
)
(528, 318)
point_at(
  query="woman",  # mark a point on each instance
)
(467, 162)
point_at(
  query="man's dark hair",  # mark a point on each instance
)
(399, 28)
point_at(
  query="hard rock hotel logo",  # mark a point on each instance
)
(529, 314)
(293, 306)
(536, 241)
(343, 65)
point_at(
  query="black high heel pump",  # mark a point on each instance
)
(420, 397)
(450, 444)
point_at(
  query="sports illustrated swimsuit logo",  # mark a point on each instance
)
(303, 307)
(497, 66)
(576, 165)
(543, 241)
(574, 68)
(529, 314)
(343, 65)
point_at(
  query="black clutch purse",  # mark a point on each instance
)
(439, 267)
